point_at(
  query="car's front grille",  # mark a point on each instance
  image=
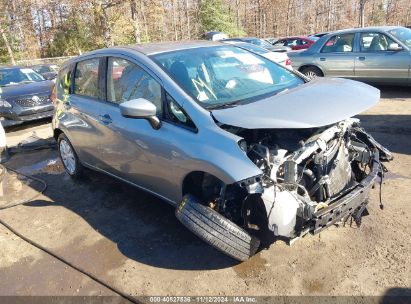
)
(33, 101)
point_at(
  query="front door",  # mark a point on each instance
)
(376, 63)
(131, 148)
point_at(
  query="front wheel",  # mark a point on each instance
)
(216, 230)
(312, 72)
(69, 157)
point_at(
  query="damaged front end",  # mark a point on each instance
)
(312, 178)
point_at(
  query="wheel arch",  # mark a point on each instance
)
(56, 133)
(301, 68)
(192, 182)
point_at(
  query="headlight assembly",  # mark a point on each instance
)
(4, 104)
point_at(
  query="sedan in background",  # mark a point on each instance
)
(261, 43)
(379, 55)
(48, 71)
(318, 35)
(24, 96)
(278, 57)
(296, 43)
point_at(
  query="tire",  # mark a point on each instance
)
(312, 72)
(216, 230)
(71, 163)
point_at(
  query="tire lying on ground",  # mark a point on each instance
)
(216, 230)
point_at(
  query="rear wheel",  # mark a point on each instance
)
(312, 72)
(69, 157)
(216, 230)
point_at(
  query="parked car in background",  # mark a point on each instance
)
(48, 71)
(272, 40)
(319, 35)
(215, 36)
(278, 57)
(24, 96)
(262, 43)
(245, 149)
(379, 55)
(296, 43)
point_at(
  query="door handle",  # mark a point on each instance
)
(322, 59)
(361, 58)
(105, 119)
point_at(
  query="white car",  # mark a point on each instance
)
(278, 57)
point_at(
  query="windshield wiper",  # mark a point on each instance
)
(224, 105)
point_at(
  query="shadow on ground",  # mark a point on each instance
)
(144, 228)
(396, 295)
(384, 127)
(397, 92)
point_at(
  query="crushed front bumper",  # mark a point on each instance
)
(348, 204)
(11, 118)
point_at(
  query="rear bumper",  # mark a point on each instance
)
(348, 204)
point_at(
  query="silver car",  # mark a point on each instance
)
(378, 55)
(247, 150)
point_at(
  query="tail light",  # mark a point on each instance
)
(288, 61)
(53, 96)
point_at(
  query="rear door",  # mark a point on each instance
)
(336, 57)
(375, 63)
(81, 110)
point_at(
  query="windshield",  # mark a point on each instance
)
(14, 76)
(403, 34)
(225, 75)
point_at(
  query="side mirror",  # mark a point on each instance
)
(141, 108)
(394, 47)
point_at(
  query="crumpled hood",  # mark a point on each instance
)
(320, 102)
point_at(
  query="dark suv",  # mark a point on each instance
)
(24, 96)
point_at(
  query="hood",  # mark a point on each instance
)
(320, 102)
(33, 88)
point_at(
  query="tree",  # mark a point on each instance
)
(214, 16)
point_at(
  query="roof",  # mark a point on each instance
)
(367, 29)
(162, 47)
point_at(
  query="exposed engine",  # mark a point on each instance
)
(304, 171)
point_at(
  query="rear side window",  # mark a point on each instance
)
(86, 78)
(127, 81)
(64, 83)
(339, 44)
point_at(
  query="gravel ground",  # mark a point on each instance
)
(133, 241)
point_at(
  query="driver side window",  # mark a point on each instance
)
(374, 42)
(127, 81)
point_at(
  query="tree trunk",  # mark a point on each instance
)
(173, 8)
(136, 22)
(187, 19)
(6, 42)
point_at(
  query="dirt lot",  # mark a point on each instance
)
(133, 240)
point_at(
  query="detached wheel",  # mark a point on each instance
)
(312, 72)
(216, 230)
(69, 157)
